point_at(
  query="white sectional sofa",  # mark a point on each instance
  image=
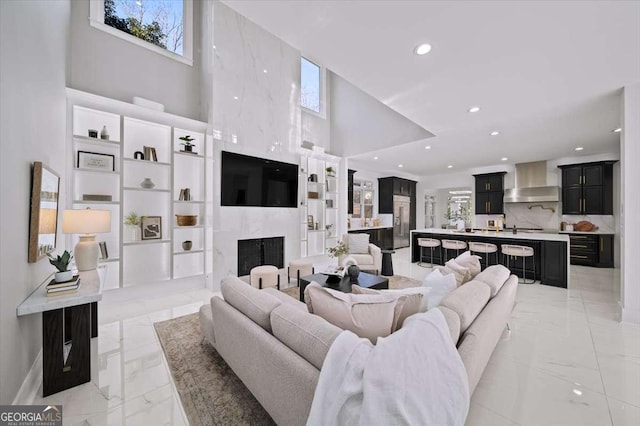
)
(277, 348)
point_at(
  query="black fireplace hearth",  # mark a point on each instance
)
(260, 251)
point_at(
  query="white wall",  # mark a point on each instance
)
(110, 66)
(34, 39)
(266, 112)
(629, 224)
(361, 123)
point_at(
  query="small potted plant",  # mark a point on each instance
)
(330, 171)
(188, 146)
(132, 222)
(338, 250)
(62, 265)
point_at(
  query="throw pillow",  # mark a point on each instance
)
(461, 273)
(470, 261)
(440, 286)
(358, 243)
(367, 315)
(417, 299)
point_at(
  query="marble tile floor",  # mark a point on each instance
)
(566, 361)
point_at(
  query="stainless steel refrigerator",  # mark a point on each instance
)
(401, 219)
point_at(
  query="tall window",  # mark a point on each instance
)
(161, 25)
(310, 85)
(363, 194)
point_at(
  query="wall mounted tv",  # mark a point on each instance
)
(258, 182)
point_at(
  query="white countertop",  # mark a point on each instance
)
(364, 228)
(90, 290)
(534, 236)
(587, 233)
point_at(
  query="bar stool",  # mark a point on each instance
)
(452, 245)
(428, 243)
(523, 252)
(486, 248)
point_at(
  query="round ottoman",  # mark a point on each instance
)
(299, 268)
(265, 276)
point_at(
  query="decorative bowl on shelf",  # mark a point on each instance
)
(187, 219)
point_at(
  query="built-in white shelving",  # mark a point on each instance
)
(132, 128)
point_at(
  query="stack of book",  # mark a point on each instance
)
(67, 287)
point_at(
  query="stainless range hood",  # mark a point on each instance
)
(531, 185)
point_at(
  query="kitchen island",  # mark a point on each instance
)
(550, 263)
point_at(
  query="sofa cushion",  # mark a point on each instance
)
(468, 301)
(453, 322)
(206, 323)
(367, 315)
(417, 299)
(310, 336)
(494, 276)
(362, 259)
(470, 261)
(284, 298)
(358, 244)
(440, 286)
(254, 303)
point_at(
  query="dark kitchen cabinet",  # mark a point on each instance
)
(587, 188)
(350, 191)
(554, 265)
(591, 250)
(381, 237)
(388, 187)
(490, 193)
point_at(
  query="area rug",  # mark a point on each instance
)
(395, 282)
(210, 392)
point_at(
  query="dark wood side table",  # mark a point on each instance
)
(68, 324)
(365, 279)
(387, 262)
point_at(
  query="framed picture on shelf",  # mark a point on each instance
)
(151, 227)
(96, 161)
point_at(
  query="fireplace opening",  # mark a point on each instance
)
(260, 251)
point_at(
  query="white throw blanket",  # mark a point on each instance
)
(414, 376)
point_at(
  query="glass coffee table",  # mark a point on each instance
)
(376, 282)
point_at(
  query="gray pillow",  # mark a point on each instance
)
(359, 243)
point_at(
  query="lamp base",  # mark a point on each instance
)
(86, 253)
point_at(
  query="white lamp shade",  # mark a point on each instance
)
(87, 221)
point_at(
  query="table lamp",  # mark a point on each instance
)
(87, 222)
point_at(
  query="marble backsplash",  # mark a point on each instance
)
(530, 215)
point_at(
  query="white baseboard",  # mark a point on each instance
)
(630, 315)
(27, 393)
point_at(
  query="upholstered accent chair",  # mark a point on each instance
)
(368, 256)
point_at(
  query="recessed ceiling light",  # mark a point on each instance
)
(474, 109)
(449, 166)
(264, 70)
(495, 133)
(427, 147)
(579, 148)
(375, 158)
(618, 130)
(504, 158)
(400, 165)
(235, 97)
(422, 49)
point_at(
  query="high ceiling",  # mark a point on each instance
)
(546, 75)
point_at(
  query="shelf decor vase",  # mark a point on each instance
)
(132, 232)
(104, 134)
(186, 245)
(147, 183)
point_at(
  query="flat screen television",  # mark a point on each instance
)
(258, 182)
